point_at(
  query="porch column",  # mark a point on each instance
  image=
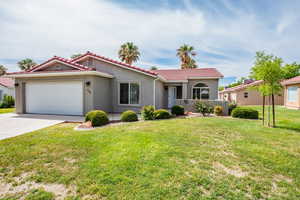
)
(184, 91)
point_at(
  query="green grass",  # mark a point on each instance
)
(199, 158)
(6, 110)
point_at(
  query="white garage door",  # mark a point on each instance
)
(63, 98)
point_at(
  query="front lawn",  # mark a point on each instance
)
(6, 110)
(198, 158)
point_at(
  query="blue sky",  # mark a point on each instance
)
(225, 33)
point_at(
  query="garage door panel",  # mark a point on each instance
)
(64, 98)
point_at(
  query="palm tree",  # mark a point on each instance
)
(76, 55)
(129, 53)
(185, 53)
(2, 70)
(26, 64)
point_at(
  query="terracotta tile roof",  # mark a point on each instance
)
(185, 74)
(291, 81)
(115, 62)
(7, 82)
(242, 86)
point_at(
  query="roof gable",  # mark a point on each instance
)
(114, 62)
(69, 65)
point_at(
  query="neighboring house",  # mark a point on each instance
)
(6, 87)
(292, 92)
(244, 94)
(90, 81)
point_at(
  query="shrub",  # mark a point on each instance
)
(218, 110)
(7, 102)
(39, 194)
(231, 106)
(204, 108)
(161, 114)
(97, 117)
(147, 112)
(177, 110)
(246, 113)
(129, 116)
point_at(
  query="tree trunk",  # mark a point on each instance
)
(269, 112)
(263, 110)
(273, 110)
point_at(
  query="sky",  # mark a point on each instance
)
(225, 33)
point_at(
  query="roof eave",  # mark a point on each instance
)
(53, 74)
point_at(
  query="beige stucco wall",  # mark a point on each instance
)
(124, 75)
(213, 85)
(288, 104)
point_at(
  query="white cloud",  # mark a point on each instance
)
(40, 29)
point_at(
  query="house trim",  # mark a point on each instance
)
(57, 73)
(129, 82)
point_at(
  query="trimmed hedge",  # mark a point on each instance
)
(97, 117)
(129, 116)
(218, 110)
(147, 112)
(177, 110)
(246, 113)
(161, 114)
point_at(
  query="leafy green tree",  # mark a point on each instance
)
(291, 70)
(129, 53)
(2, 70)
(26, 64)
(186, 54)
(153, 68)
(76, 55)
(268, 68)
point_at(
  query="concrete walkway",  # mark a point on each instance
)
(12, 124)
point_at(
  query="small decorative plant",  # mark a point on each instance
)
(147, 112)
(204, 108)
(161, 114)
(129, 116)
(177, 110)
(218, 110)
(97, 117)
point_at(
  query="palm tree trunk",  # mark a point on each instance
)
(273, 110)
(263, 110)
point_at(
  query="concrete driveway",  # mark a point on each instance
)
(13, 124)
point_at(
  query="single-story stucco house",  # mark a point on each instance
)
(244, 94)
(74, 87)
(6, 87)
(292, 92)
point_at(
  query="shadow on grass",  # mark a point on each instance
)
(292, 128)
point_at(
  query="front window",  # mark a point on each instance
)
(129, 93)
(201, 91)
(246, 95)
(292, 94)
(178, 92)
